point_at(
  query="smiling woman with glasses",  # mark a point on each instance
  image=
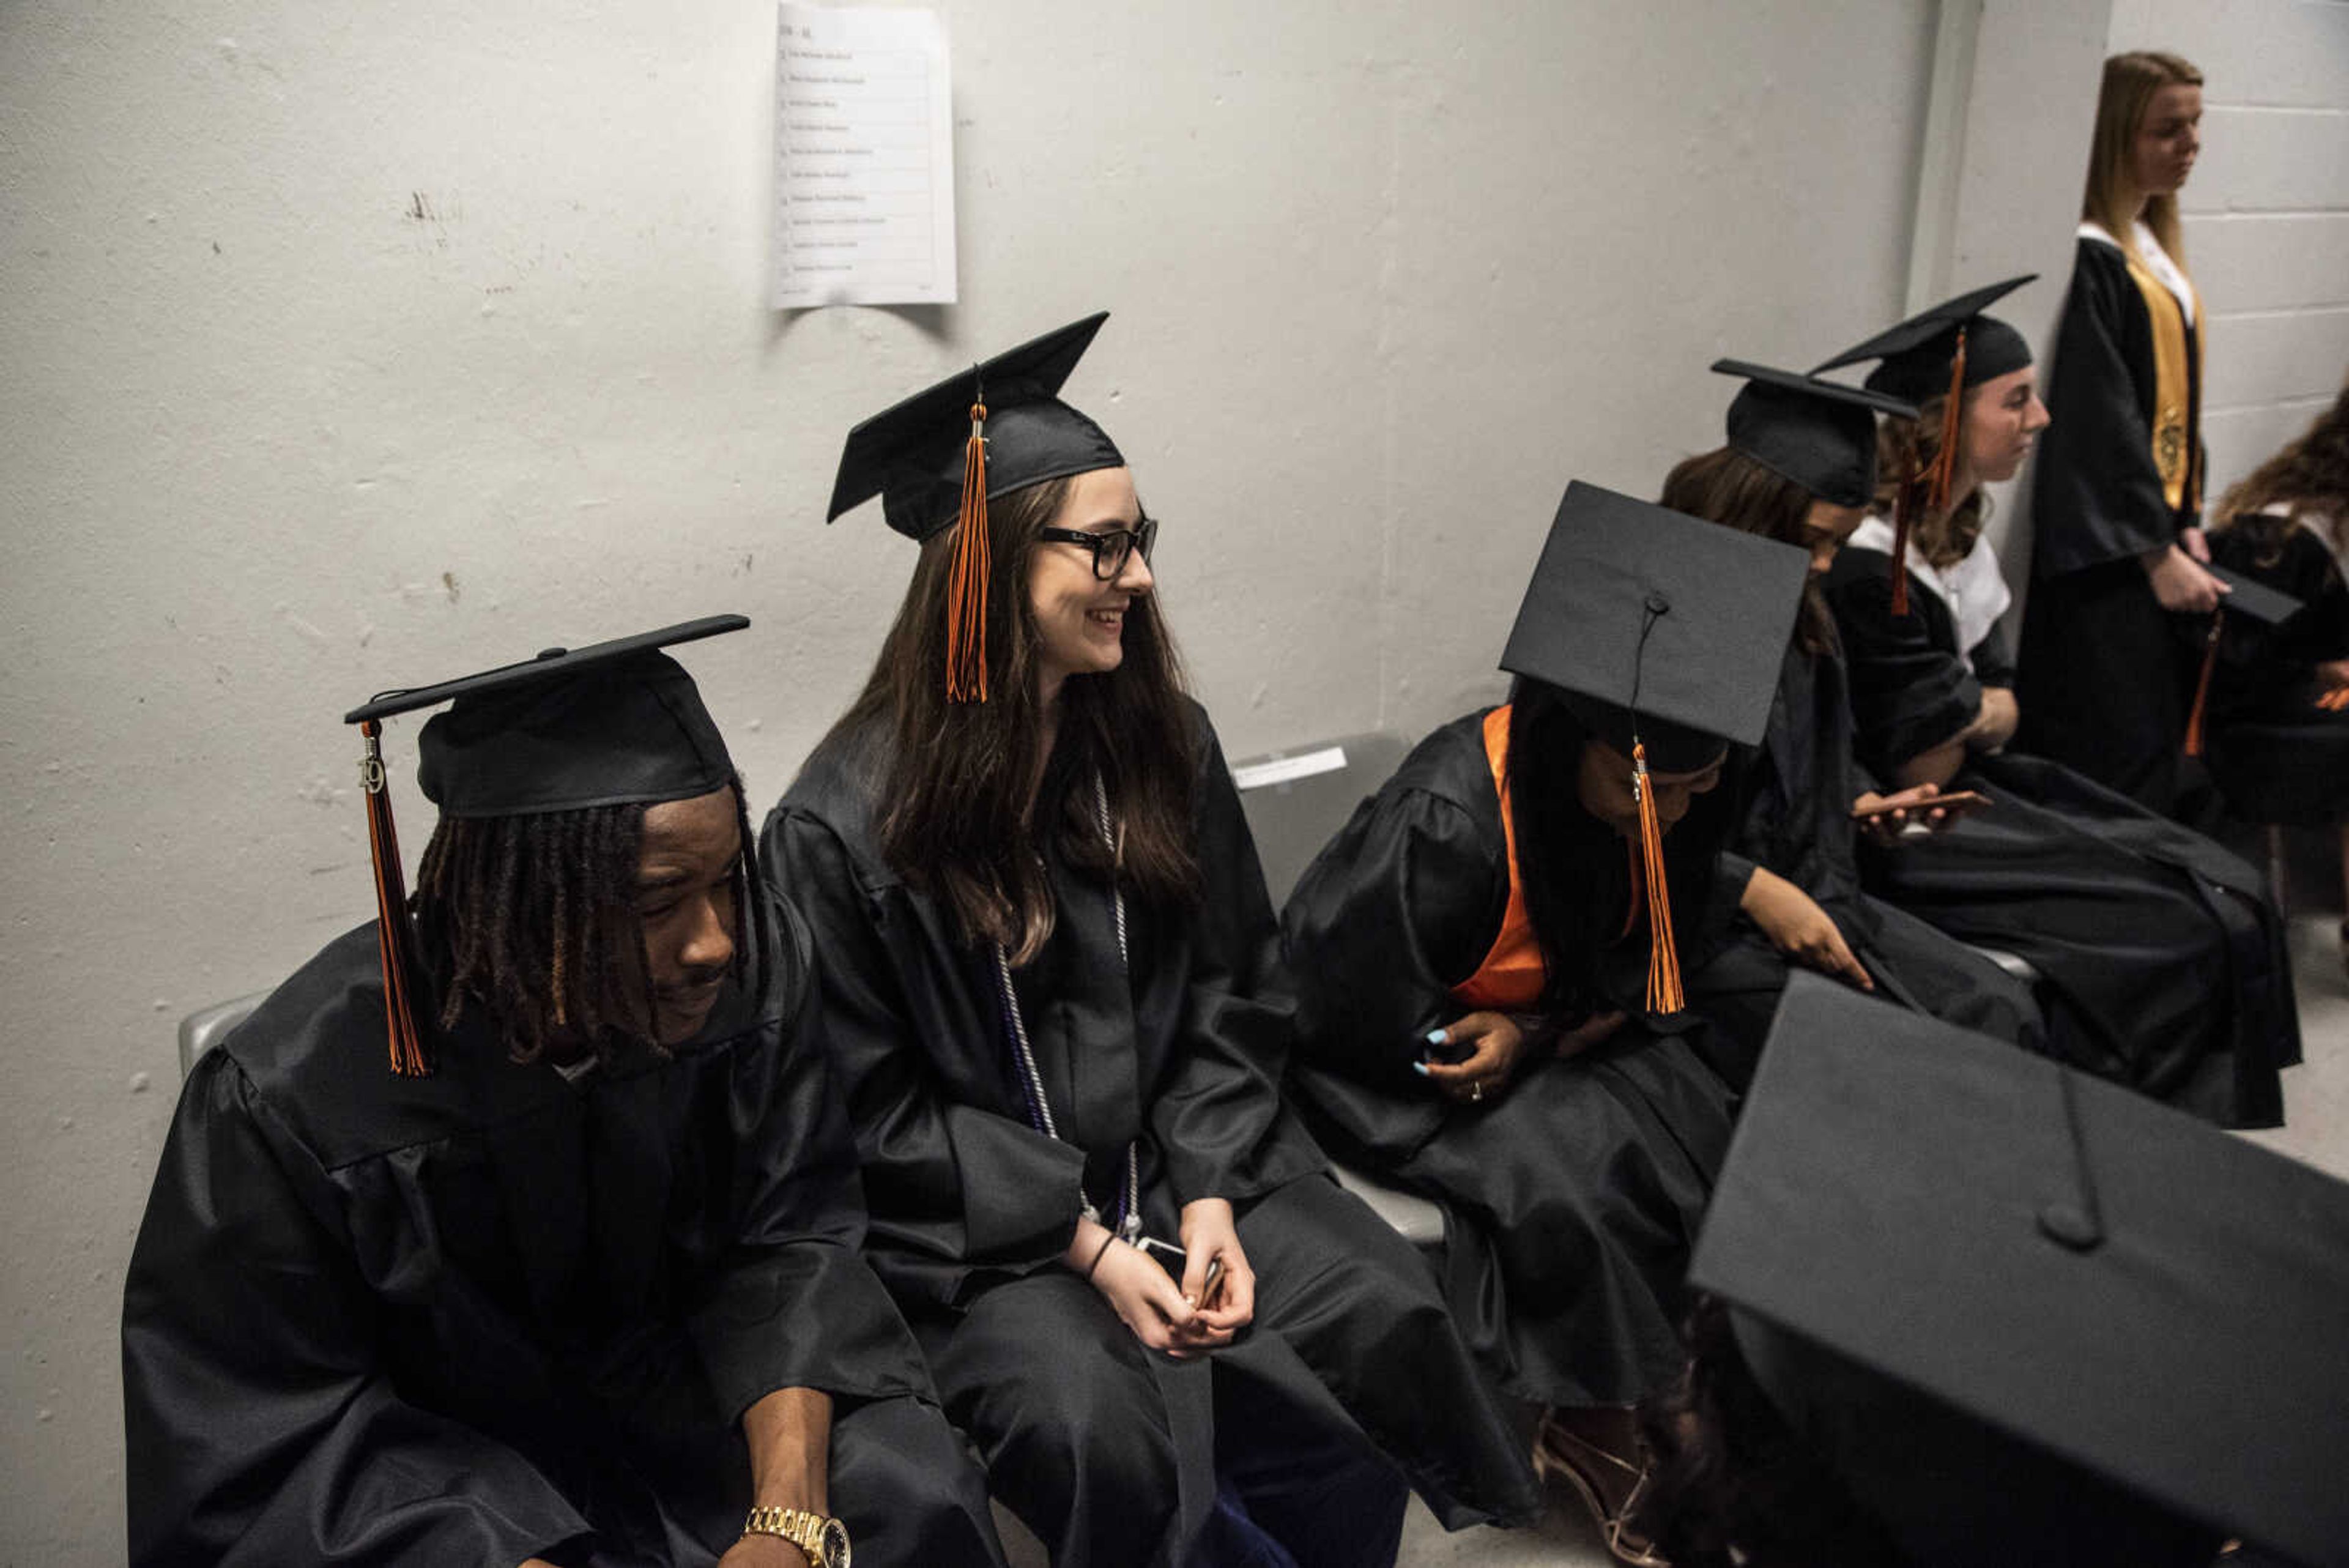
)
(1051, 986)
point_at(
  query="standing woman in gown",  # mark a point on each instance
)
(2161, 961)
(1483, 953)
(1800, 467)
(2120, 598)
(2279, 720)
(1051, 981)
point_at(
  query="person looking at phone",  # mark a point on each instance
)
(2162, 961)
(1800, 466)
(1487, 958)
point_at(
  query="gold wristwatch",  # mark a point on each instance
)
(826, 1540)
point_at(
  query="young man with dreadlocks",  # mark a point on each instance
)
(577, 1280)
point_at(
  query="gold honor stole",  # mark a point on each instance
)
(2176, 364)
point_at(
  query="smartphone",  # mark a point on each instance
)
(1956, 800)
(1214, 1280)
(1451, 1054)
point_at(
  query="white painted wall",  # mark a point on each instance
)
(355, 347)
(2267, 211)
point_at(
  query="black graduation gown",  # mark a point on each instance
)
(493, 1313)
(2105, 671)
(2162, 964)
(2275, 754)
(1794, 819)
(1176, 1051)
(1571, 1197)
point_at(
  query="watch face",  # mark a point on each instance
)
(835, 1544)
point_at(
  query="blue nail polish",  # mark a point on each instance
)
(1435, 1037)
(1420, 1068)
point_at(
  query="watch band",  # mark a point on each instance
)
(796, 1525)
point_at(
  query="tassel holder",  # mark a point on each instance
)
(967, 586)
(2202, 684)
(405, 1044)
(1664, 993)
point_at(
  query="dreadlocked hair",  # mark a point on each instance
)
(534, 919)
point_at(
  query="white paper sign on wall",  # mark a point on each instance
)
(863, 159)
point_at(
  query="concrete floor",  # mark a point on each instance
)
(2316, 1130)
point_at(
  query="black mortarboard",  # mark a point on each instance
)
(1664, 634)
(1820, 434)
(912, 455)
(1633, 604)
(2252, 599)
(616, 724)
(1918, 354)
(2030, 1316)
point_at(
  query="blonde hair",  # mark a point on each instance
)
(2130, 81)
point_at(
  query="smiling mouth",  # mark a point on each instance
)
(1112, 620)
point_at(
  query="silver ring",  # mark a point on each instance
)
(1475, 1091)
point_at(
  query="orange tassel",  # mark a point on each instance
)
(407, 1058)
(1664, 993)
(1944, 472)
(2202, 687)
(967, 589)
(1904, 501)
(1937, 479)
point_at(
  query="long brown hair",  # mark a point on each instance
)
(954, 816)
(1726, 486)
(2311, 476)
(2112, 196)
(1909, 446)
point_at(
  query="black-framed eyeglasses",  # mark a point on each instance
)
(1111, 550)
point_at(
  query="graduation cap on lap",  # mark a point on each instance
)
(1941, 351)
(2246, 596)
(938, 457)
(1663, 633)
(615, 723)
(1820, 434)
(2030, 1316)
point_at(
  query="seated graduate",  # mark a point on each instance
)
(1053, 988)
(1800, 467)
(575, 1280)
(2162, 963)
(2277, 734)
(1486, 965)
(1968, 1309)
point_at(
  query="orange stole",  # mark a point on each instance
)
(1511, 978)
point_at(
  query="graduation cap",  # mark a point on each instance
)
(616, 724)
(2246, 596)
(1917, 356)
(937, 457)
(2030, 1316)
(1820, 434)
(1664, 633)
(1942, 350)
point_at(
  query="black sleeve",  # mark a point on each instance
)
(794, 1303)
(1219, 1118)
(261, 1425)
(2097, 494)
(1908, 693)
(1399, 908)
(1993, 656)
(953, 1183)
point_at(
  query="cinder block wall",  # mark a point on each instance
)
(2267, 211)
